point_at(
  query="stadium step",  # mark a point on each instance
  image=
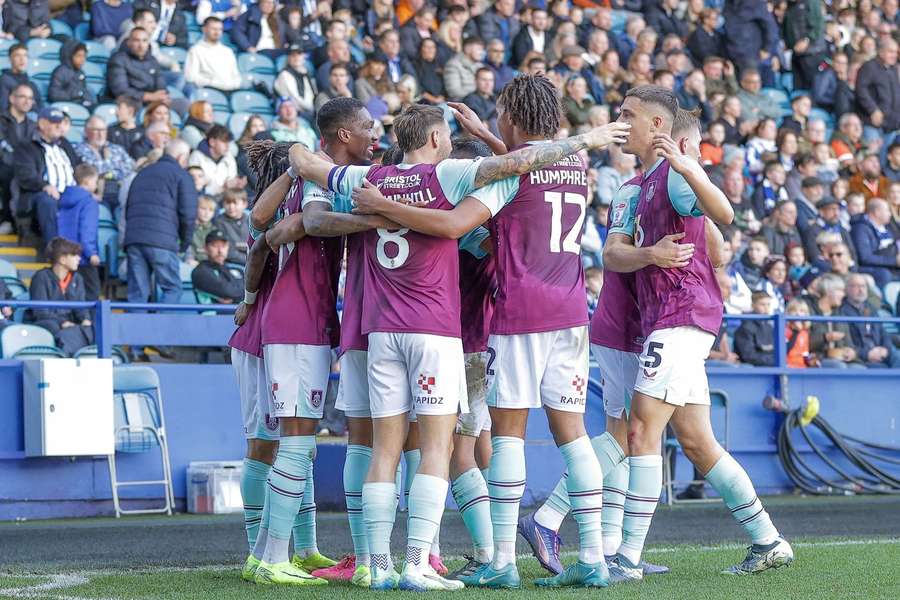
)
(28, 269)
(9, 239)
(18, 254)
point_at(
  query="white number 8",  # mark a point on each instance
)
(385, 236)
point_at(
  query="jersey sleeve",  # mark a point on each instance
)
(624, 207)
(457, 178)
(498, 194)
(682, 197)
(471, 242)
(343, 179)
(314, 193)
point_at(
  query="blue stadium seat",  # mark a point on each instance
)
(777, 96)
(619, 19)
(222, 116)
(248, 81)
(5, 45)
(107, 112)
(15, 338)
(77, 113)
(17, 288)
(280, 63)
(177, 54)
(47, 49)
(117, 355)
(190, 19)
(75, 134)
(96, 76)
(4, 61)
(194, 36)
(108, 244)
(82, 32)
(249, 101)
(255, 63)
(7, 269)
(61, 28)
(97, 52)
(41, 69)
(174, 92)
(218, 100)
(822, 115)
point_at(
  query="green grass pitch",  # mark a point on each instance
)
(831, 568)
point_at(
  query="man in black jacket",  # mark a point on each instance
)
(72, 328)
(532, 37)
(159, 216)
(17, 75)
(872, 343)
(663, 20)
(15, 127)
(171, 27)
(44, 167)
(212, 276)
(132, 71)
(27, 18)
(878, 88)
(482, 100)
(754, 341)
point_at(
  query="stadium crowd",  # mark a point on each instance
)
(134, 116)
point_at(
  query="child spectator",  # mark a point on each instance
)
(68, 83)
(126, 132)
(775, 280)
(206, 210)
(798, 267)
(827, 166)
(77, 221)
(796, 336)
(235, 224)
(770, 191)
(754, 341)
(199, 178)
(752, 261)
(712, 151)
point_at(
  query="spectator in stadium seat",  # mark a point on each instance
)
(71, 328)
(171, 27)
(293, 30)
(295, 82)
(206, 212)
(876, 246)
(126, 131)
(210, 63)
(160, 213)
(755, 105)
(495, 60)
(804, 33)
(16, 75)
(878, 88)
(6, 312)
(111, 161)
(224, 10)
(77, 221)
(338, 86)
(143, 18)
(781, 231)
(871, 342)
(611, 177)
(201, 117)
(429, 72)
(218, 165)
(338, 54)
(692, 96)
(234, 222)
(68, 83)
(830, 341)
(389, 48)
(847, 140)
(45, 166)
(775, 281)
(15, 127)
(482, 100)
(720, 78)
(801, 106)
(754, 341)
(459, 72)
(499, 22)
(831, 88)
(372, 82)
(796, 337)
(534, 36)
(417, 29)
(288, 127)
(868, 179)
(890, 164)
(752, 261)
(706, 40)
(572, 63)
(751, 32)
(577, 103)
(663, 20)
(258, 30)
(805, 166)
(134, 72)
(212, 277)
(107, 17)
(827, 220)
(27, 19)
(770, 191)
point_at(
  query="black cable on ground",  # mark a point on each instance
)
(829, 475)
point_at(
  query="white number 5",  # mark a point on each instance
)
(556, 199)
(385, 236)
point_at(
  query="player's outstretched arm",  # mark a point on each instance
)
(450, 224)
(475, 127)
(711, 199)
(289, 229)
(715, 244)
(253, 272)
(621, 255)
(319, 220)
(268, 202)
(310, 166)
(537, 156)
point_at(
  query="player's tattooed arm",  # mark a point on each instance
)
(289, 229)
(711, 199)
(450, 224)
(267, 204)
(621, 255)
(321, 221)
(715, 244)
(537, 156)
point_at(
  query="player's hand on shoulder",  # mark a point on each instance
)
(611, 133)
(669, 254)
(367, 199)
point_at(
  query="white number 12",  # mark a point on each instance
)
(556, 199)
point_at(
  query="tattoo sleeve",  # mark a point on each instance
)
(324, 222)
(526, 159)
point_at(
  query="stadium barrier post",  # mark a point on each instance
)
(103, 329)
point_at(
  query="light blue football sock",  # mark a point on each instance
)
(253, 493)
(585, 489)
(427, 495)
(615, 485)
(305, 523)
(644, 488)
(471, 496)
(412, 458)
(505, 488)
(287, 483)
(731, 481)
(379, 501)
(356, 466)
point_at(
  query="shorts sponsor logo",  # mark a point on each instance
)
(578, 383)
(315, 398)
(572, 400)
(426, 383)
(429, 400)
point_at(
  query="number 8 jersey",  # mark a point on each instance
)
(537, 248)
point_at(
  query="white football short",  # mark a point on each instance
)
(618, 370)
(353, 388)
(673, 365)
(298, 376)
(478, 418)
(530, 370)
(416, 371)
(253, 386)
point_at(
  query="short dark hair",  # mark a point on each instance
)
(685, 121)
(338, 66)
(484, 70)
(759, 295)
(84, 171)
(533, 104)
(468, 147)
(337, 113)
(17, 47)
(130, 101)
(660, 73)
(472, 39)
(138, 12)
(219, 132)
(771, 165)
(655, 94)
(804, 158)
(137, 30)
(212, 19)
(535, 60)
(414, 124)
(59, 247)
(392, 156)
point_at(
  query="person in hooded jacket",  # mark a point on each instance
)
(68, 83)
(77, 220)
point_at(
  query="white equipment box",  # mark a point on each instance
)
(68, 407)
(214, 487)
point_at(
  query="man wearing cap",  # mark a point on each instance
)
(288, 127)
(828, 220)
(572, 63)
(45, 166)
(210, 63)
(212, 276)
(812, 189)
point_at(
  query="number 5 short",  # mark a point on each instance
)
(672, 366)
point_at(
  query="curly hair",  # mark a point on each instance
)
(533, 104)
(268, 160)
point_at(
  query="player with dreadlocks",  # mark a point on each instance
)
(534, 359)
